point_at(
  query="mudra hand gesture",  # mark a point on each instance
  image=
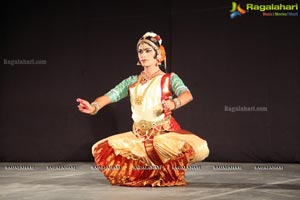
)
(168, 105)
(85, 107)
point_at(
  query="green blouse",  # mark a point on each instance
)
(120, 91)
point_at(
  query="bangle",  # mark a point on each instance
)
(177, 103)
(97, 108)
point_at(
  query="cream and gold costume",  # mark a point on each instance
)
(157, 151)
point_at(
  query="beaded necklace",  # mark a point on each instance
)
(143, 79)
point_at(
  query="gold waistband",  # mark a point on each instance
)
(147, 125)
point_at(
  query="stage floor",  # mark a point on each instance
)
(37, 181)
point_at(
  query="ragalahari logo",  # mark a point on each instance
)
(236, 10)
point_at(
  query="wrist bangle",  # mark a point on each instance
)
(177, 103)
(97, 107)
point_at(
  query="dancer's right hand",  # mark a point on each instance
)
(85, 107)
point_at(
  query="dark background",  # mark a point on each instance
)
(90, 46)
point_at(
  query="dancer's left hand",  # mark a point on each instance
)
(168, 105)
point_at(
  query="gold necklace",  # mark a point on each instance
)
(139, 98)
(145, 77)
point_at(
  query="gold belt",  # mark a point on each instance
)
(147, 125)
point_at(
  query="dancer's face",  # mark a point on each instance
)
(147, 55)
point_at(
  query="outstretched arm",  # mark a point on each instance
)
(116, 94)
(92, 108)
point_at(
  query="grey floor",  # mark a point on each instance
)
(206, 180)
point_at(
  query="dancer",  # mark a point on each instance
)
(156, 152)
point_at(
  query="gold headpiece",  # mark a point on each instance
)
(155, 42)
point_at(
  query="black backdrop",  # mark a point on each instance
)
(90, 46)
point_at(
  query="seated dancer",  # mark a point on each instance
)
(157, 151)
